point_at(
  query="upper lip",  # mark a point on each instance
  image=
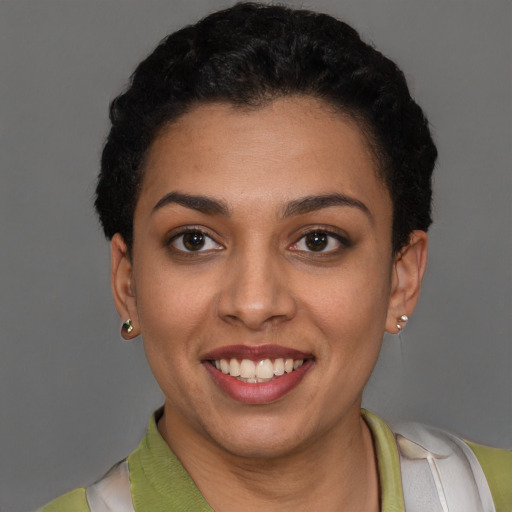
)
(254, 352)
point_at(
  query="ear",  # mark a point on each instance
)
(408, 270)
(123, 285)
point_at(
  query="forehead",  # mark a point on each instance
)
(291, 147)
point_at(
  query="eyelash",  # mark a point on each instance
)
(328, 236)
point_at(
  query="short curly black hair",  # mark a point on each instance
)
(249, 55)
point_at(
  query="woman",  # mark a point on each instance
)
(266, 185)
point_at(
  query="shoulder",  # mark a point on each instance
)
(452, 461)
(497, 467)
(72, 501)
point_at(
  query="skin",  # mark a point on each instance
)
(257, 282)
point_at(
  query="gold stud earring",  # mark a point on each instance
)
(127, 326)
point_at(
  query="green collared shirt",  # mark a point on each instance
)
(160, 483)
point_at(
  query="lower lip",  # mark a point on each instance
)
(258, 392)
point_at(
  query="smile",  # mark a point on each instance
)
(257, 375)
(264, 370)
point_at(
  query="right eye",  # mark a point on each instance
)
(194, 241)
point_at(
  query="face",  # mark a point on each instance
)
(262, 241)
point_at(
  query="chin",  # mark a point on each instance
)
(262, 438)
(261, 447)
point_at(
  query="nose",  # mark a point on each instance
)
(255, 294)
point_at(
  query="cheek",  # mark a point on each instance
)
(172, 310)
(351, 297)
(172, 315)
(349, 308)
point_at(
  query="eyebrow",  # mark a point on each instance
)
(201, 204)
(312, 203)
(209, 206)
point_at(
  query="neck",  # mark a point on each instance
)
(338, 472)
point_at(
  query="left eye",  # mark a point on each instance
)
(317, 241)
(194, 241)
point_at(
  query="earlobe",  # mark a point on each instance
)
(123, 286)
(408, 270)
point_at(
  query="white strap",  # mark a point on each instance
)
(112, 493)
(440, 472)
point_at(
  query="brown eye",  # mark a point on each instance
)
(193, 241)
(316, 241)
(320, 242)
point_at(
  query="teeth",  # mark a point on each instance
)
(279, 367)
(265, 369)
(224, 366)
(262, 371)
(234, 368)
(247, 369)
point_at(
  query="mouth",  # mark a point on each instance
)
(257, 375)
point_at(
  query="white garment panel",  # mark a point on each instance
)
(112, 493)
(440, 472)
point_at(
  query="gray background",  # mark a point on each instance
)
(73, 397)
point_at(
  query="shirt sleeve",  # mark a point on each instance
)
(74, 501)
(497, 466)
